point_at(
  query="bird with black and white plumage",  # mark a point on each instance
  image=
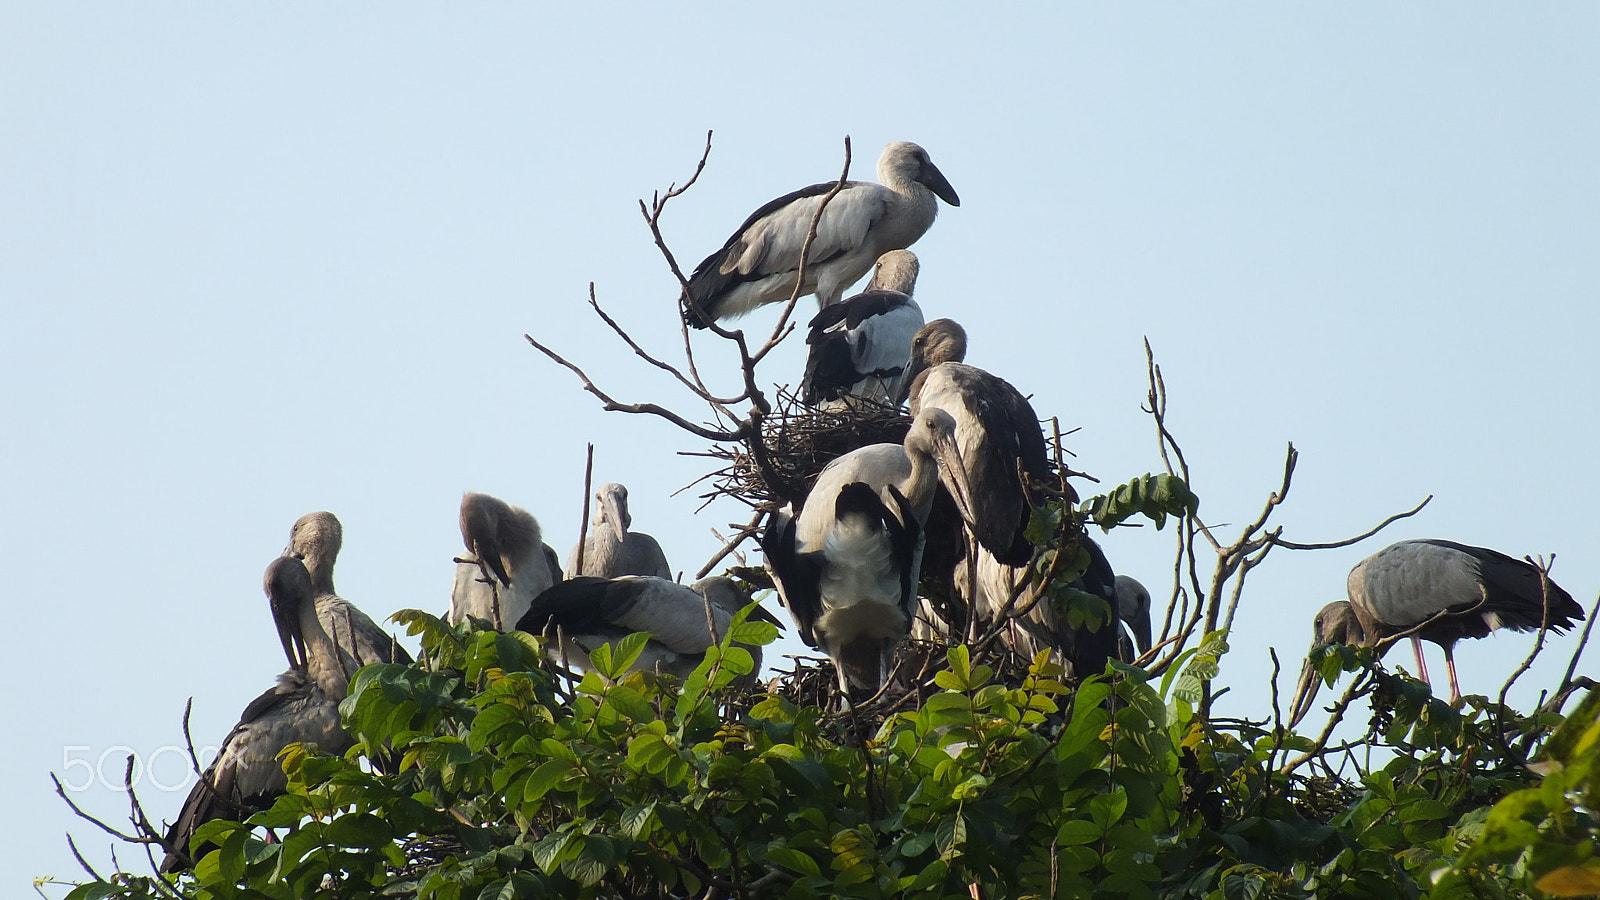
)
(760, 262)
(858, 349)
(315, 539)
(612, 548)
(303, 707)
(1446, 591)
(507, 563)
(847, 566)
(588, 612)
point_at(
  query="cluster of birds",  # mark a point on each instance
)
(848, 562)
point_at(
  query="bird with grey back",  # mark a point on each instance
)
(315, 540)
(303, 707)
(858, 350)
(507, 563)
(612, 548)
(587, 612)
(1437, 591)
(1009, 472)
(760, 262)
(847, 567)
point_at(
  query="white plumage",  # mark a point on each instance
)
(859, 349)
(759, 263)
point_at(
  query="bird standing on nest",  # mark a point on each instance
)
(859, 349)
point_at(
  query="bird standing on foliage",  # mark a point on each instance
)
(612, 548)
(589, 612)
(847, 567)
(859, 348)
(303, 707)
(507, 562)
(760, 263)
(1446, 591)
(315, 540)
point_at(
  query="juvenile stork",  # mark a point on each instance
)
(1452, 591)
(1044, 625)
(759, 264)
(303, 707)
(1002, 445)
(860, 348)
(315, 540)
(1133, 608)
(847, 568)
(507, 563)
(612, 548)
(590, 611)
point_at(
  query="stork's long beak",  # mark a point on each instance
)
(1140, 624)
(1305, 692)
(616, 514)
(914, 367)
(953, 472)
(286, 617)
(936, 182)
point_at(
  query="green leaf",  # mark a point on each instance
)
(545, 778)
(359, 830)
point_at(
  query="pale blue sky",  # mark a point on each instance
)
(257, 260)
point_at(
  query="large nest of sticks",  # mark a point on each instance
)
(798, 442)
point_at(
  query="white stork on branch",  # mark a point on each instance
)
(760, 262)
(860, 348)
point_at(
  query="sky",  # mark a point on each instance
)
(263, 259)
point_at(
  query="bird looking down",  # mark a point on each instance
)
(303, 707)
(612, 548)
(507, 563)
(859, 348)
(760, 262)
(1452, 591)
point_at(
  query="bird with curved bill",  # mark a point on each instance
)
(760, 262)
(1438, 591)
(612, 548)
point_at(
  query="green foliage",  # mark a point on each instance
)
(513, 781)
(1153, 496)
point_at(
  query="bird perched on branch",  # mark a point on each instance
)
(507, 563)
(612, 548)
(860, 348)
(303, 707)
(760, 262)
(1445, 591)
(589, 612)
(315, 540)
(847, 567)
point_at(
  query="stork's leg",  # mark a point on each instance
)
(1422, 665)
(1450, 664)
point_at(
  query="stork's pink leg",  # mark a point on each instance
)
(1450, 663)
(1422, 665)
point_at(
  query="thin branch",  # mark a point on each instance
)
(612, 405)
(1329, 545)
(583, 524)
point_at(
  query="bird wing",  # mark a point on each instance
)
(1514, 592)
(905, 542)
(360, 640)
(796, 575)
(771, 243)
(578, 605)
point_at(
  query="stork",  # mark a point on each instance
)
(1133, 608)
(760, 262)
(847, 568)
(507, 562)
(303, 707)
(860, 348)
(612, 549)
(591, 611)
(998, 432)
(1445, 591)
(315, 540)
(1043, 625)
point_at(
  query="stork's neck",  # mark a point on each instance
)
(918, 488)
(320, 569)
(322, 655)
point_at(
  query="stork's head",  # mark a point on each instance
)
(1336, 623)
(288, 588)
(904, 163)
(611, 505)
(315, 540)
(1133, 607)
(933, 435)
(939, 341)
(895, 271)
